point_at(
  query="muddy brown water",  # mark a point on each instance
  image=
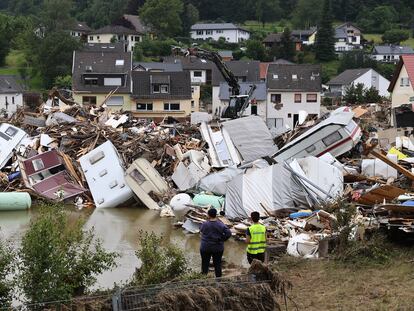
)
(118, 228)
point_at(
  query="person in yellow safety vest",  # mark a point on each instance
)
(256, 239)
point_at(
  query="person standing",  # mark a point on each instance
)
(213, 235)
(256, 239)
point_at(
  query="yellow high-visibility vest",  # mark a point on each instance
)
(257, 243)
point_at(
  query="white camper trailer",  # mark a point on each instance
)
(144, 179)
(337, 134)
(10, 139)
(105, 176)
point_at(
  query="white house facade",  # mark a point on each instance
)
(366, 76)
(230, 32)
(347, 37)
(390, 53)
(290, 90)
(11, 95)
(108, 34)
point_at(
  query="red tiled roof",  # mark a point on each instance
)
(409, 66)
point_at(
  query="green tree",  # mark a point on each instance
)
(64, 82)
(307, 13)
(267, 11)
(395, 36)
(55, 15)
(190, 17)
(325, 41)
(58, 259)
(7, 257)
(371, 95)
(163, 16)
(255, 50)
(156, 48)
(354, 94)
(100, 13)
(378, 19)
(161, 262)
(287, 46)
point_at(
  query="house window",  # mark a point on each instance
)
(144, 106)
(275, 76)
(200, 32)
(192, 90)
(91, 38)
(97, 37)
(276, 98)
(254, 110)
(298, 98)
(219, 31)
(405, 82)
(38, 164)
(13, 100)
(311, 98)
(91, 81)
(209, 32)
(155, 88)
(171, 106)
(115, 101)
(192, 104)
(289, 115)
(164, 89)
(112, 81)
(137, 38)
(198, 74)
(119, 62)
(89, 100)
(332, 138)
(294, 77)
(11, 131)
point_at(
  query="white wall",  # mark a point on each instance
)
(373, 78)
(401, 94)
(215, 101)
(388, 58)
(106, 38)
(233, 36)
(198, 80)
(11, 108)
(290, 107)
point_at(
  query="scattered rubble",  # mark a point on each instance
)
(93, 157)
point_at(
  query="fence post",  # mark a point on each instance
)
(117, 301)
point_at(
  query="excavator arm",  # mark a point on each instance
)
(238, 103)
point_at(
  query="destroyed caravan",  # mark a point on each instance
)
(10, 139)
(337, 134)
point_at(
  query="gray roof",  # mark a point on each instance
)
(277, 37)
(392, 49)
(115, 30)
(304, 32)
(136, 21)
(348, 76)
(282, 61)
(158, 66)
(179, 82)
(80, 26)
(190, 63)
(102, 64)
(340, 33)
(104, 47)
(9, 84)
(250, 70)
(216, 26)
(259, 93)
(280, 77)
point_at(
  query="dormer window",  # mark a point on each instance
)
(164, 89)
(119, 62)
(294, 77)
(275, 76)
(88, 68)
(91, 81)
(155, 88)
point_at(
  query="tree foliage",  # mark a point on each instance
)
(255, 50)
(325, 41)
(58, 259)
(190, 17)
(395, 36)
(307, 13)
(161, 262)
(7, 257)
(377, 20)
(164, 16)
(358, 94)
(267, 11)
(153, 48)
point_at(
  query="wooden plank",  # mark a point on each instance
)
(399, 168)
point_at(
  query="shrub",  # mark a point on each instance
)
(7, 257)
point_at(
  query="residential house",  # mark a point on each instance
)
(100, 77)
(258, 99)
(244, 71)
(275, 39)
(390, 53)
(109, 34)
(80, 30)
(157, 66)
(402, 83)
(306, 36)
(226, 55)
(366, 76)
(103, 47)
(157, 95)
(265, 66)
(347, 37)
(291, 89)
(214, 31)
(11, 95)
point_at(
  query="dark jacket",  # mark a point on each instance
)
(213, 235)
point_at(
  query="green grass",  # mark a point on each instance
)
(329, 70)
(9, 71)
(268, 27)
(377, 39)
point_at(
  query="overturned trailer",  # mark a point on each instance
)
(10, 138)
(337, 134)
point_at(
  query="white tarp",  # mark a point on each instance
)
(200, 117)
(378, 168)
(251, 137)
(217, 182)
(263, 190)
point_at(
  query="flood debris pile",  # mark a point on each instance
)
(93, 157)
